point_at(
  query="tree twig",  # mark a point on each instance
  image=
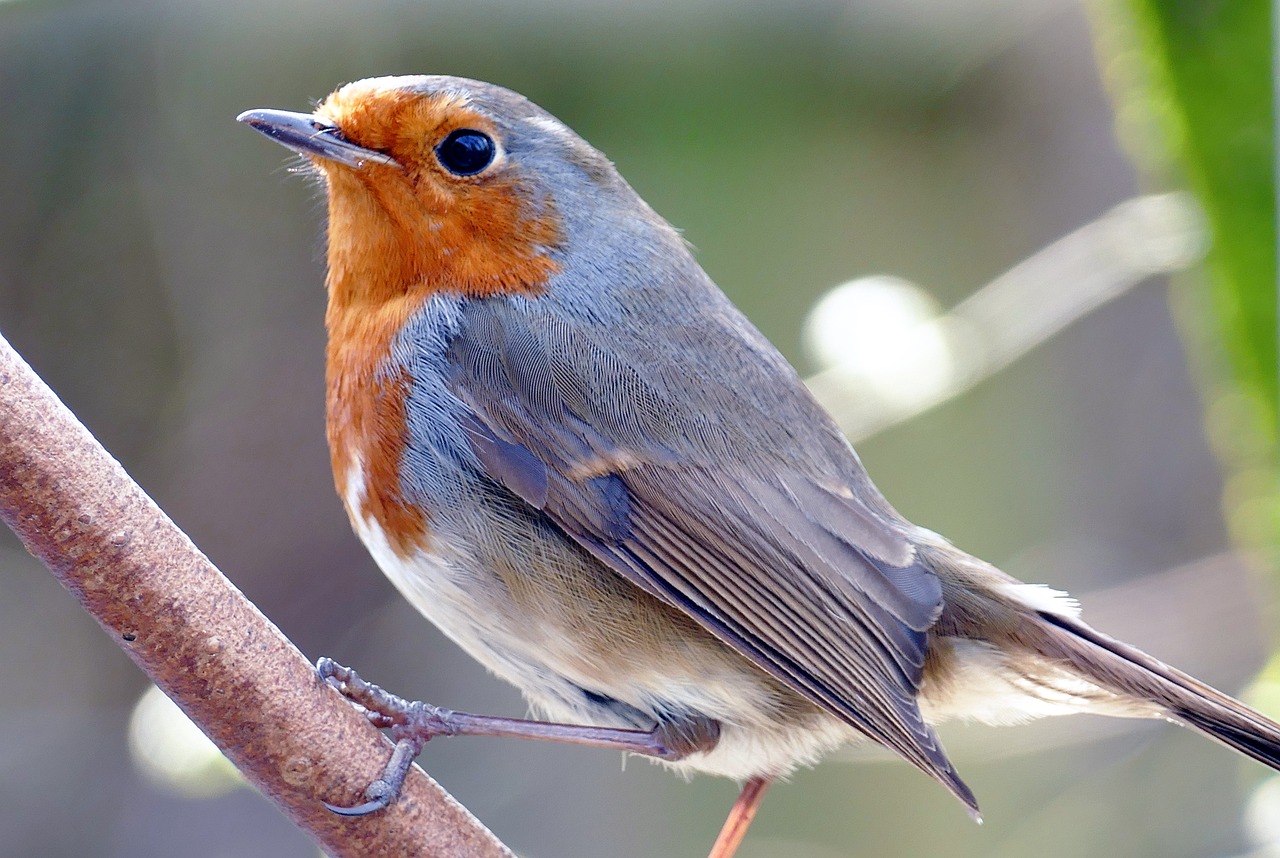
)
(232, 671)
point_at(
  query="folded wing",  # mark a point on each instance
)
(786, 565)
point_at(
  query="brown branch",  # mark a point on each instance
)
(201, 640)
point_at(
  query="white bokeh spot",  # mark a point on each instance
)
(173, 754)
(884, 333)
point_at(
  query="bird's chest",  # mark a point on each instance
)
(368, 437)
(392, 423)
(405, 491)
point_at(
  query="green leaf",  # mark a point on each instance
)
(1194, 95)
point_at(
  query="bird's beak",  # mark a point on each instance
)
(308, 134)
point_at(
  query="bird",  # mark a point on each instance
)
(565, 446)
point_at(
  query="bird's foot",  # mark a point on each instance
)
(414, 723)
(411, 725)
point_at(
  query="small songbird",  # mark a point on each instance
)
(570, 452)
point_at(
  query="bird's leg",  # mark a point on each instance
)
(740, 816)
(413, 723)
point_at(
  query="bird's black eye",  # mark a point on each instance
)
(465, 152)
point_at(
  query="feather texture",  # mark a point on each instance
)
(768, 550)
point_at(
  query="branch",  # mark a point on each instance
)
(202, 642)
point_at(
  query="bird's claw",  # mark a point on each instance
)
(380, 794)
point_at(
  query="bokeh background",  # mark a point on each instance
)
(162, 270)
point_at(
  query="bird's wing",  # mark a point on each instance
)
(787, 566)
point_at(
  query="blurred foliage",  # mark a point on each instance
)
(1196, 97)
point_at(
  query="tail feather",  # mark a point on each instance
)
(1186, 700)
(1246, 740)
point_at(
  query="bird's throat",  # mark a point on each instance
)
(373, 285)
(389, 238)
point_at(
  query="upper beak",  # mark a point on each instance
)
(308, 134)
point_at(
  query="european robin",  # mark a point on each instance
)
(570, 452)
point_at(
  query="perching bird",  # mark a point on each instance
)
(571, 453)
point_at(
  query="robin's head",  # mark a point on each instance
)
(439, 183)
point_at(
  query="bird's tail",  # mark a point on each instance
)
(1181, 698)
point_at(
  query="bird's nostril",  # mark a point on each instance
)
(326, 128)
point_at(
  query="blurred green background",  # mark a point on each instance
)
(162, 270)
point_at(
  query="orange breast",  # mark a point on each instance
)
(397, 235)
(366, 408)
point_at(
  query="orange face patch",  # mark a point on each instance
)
(397, 236)
(424, 226)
